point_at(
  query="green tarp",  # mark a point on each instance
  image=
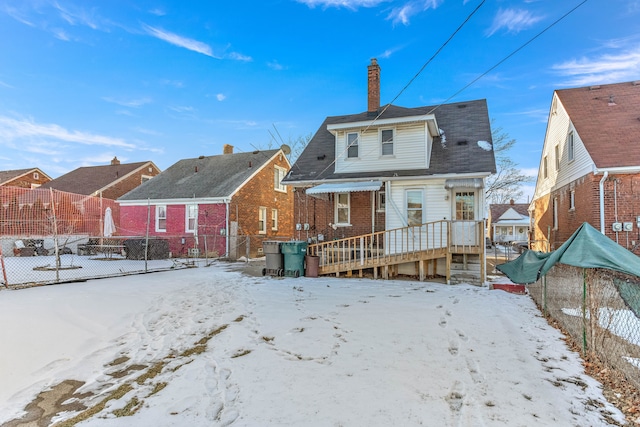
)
(587, 248)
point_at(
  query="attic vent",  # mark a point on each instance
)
(462, 142)
(201, 157)
(462, 105)
(596, 87)
(322, 157)
(256, 152)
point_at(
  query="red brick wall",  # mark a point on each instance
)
(122, 187)
(621, 194)
(27, 181)
(320, 213)
(260, 192)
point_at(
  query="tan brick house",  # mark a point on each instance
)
(23, 178)
(225, 204)
(590, 166)
(109, 181)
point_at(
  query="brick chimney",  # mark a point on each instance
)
(374, 86)
(115, 161)
(227, 149)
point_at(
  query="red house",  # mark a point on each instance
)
(218, 205)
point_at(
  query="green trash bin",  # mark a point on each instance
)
(294, 253)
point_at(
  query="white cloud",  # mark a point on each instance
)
(607, 68)
(239, 57)
(348, 4)
(61, 34)
(182, 109)
(275, 65)
(7, 85)
(158, 12)
(131, 103)
(180, 41)
(221, 97)
(79, 17)
(513, 21)
(403, 13)
(18, 16)
(28, 130)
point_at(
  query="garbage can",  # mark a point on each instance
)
(274, 258)
(294, 253)
(313, 263)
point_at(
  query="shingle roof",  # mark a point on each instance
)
(462, 121)
(89, 179)
(10, 175)
(498, 209)
(202, 177)
(607, 119)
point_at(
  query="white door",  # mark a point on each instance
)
(465, 228)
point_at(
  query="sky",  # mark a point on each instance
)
(215, 347)
(82, 82)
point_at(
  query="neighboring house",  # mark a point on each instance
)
(108, 181)
(590, 166)
(391, 168)
(23, 178)
(225, 204)
(509, 222)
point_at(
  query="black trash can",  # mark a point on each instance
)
(294, 253)
(274, 258)
(134, 248)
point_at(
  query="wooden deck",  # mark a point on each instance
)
(383, 252)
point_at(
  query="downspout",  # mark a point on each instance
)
(226, 235)
(604, 177)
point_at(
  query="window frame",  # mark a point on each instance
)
(278, 175)
(381, 201)
(188, 209)
(355, 145)
(557, 156)
(545, 167)
(338, 208)
(468, 209)
(555, 213)
(572, 200)
(571, 146)
(408, 209)
(161, 219)
(274, 219)
(383, 143)
(262, 220)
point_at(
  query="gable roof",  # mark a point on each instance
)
(203, 177)
(607, 120)
(463, 121)
(498, 209)
(90, 179)
(10, 175)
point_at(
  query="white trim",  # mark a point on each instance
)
(282, 173)
(157, 218)
(382, 143)
(391, 178)
(264, 165)
(186, 218)
(183, 201)
(274, 219)
(381, 122)
(112, 183)
(335, 210)
(262, 216)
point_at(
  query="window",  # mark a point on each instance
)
(262, 220)
(278, 176)
(465, 206)
(545, 170)
(342, 214)
(161, 218)
(572, 200)
(382, 201)
(386, 138)
(274, 219)
(570, 146)
(144, 178)
(36, 175)
(352, 145)
(414, 207)
(557, 155)
(555, 213)
(191, 218)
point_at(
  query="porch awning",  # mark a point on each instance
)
(464, 183)
(345, 187)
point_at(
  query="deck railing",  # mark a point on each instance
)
(400, 244)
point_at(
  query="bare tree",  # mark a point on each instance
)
(506, 183)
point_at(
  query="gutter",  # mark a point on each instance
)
(604, 177)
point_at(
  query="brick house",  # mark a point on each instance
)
(508, 222)
(23, 178)
(590, 166)
(225, 204)
(108, 181)
(392, 167)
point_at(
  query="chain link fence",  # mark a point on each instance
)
(600, 309)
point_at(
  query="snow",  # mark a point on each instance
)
(293, 351)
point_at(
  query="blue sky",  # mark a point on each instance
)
(82, 81)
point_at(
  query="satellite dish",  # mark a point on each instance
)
(285, 149)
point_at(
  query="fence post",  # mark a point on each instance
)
(584, 311)
(4, 270)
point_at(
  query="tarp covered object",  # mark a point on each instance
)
(587, 248)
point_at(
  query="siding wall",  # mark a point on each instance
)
(27, 181)
(122, 187)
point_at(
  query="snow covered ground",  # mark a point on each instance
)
(214, 347)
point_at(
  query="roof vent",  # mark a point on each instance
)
(595, 87)
(462, 105)
(611, 100)
(201, 157)
(322, 157)
(462, 142)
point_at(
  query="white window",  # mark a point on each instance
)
(557, 155)
(352, 145)
(262, 220)
(342, 209)
(191, 220)
(414, 207)
(555, 213)
(545, 170)
(274, 219)
(570, 146)
(278, 176)
(382, 201)
(36, 175)
(465, 205)
(161, 218)
(386, 139)
(572, 200)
